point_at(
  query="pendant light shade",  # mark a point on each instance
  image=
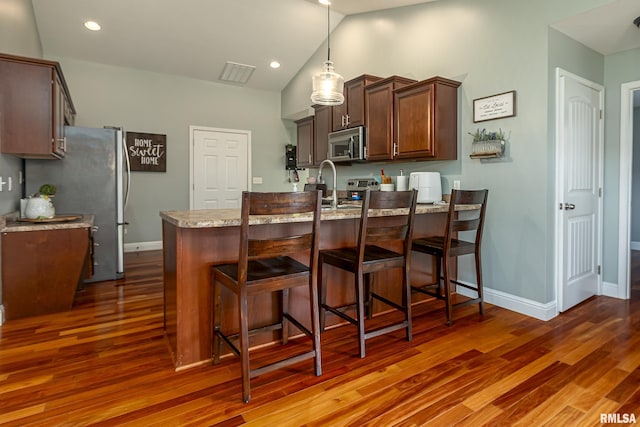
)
(328, 86)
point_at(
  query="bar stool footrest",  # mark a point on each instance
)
(386, 330)
(389, 302)
(282, 363)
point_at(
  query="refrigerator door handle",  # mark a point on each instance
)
(128, 174)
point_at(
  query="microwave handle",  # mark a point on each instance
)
(351, 147)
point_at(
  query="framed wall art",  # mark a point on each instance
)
(494, 107)
(147, 151)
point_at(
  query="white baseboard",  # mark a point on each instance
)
(635, 246)
(143, 246)
(520, 305)
(610, 290)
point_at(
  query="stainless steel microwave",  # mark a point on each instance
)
(348, 145)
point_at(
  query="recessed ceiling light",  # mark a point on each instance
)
(274, 64)
(327, 2)
(92, 25)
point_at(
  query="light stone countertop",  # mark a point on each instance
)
(209, 218)
(9, 223)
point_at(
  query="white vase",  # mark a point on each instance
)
(39, 207)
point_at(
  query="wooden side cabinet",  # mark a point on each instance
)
(305, 135)
(35, 105)
(425, 124)
(41, 270)
(378, 99)
(352, 112)
(322, 127)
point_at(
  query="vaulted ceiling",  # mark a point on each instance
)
(195, 38)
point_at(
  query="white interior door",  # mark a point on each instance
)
(220, 167)
(579, 201)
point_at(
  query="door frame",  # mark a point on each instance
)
(192, 130)
(559, 187)
(626, 170)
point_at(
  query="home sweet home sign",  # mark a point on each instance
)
(147, 151)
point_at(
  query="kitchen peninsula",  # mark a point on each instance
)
(196, 239)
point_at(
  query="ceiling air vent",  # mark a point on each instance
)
(236, 73)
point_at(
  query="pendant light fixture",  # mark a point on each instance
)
(327, 84)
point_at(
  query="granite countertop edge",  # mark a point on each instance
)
(211, 218)
(9, 223)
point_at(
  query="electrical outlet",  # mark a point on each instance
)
(257, 180)
(456, 184)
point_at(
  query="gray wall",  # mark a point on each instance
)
(144, 101)
(635, 187)
(18, 36)
(491, 46)
(619, 68)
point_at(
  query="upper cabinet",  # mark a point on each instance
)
(304, 145)
(425, 115)
(405, 119)
(313, 137)
(352, 112)
(35, 105)
(322, 127)
(379, 103)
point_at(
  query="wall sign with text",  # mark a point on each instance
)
(494, 107)
(147, 151)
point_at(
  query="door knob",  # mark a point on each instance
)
(569, 206)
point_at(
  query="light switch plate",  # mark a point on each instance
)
(456, 184)
(257, 180)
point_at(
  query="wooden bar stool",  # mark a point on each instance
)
(448, 246)
(367, 258)
(265, 267)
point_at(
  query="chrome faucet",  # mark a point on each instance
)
(334, 199)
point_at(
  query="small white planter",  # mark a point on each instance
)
(39, 207)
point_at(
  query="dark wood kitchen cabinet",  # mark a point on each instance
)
(304, 144)
(35, 105)
(41, 270)
(322, 126)
(351, 113)
(313, 137)
(425, 115)
(378, 100)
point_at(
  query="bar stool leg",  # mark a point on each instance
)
(244, 346)
(406, 301)
(322, 285)
(447, 290)
(360, 311)
(367, 296)
(283, 319)
(315, 326)
(438, 276)
(479, 280)
(217, 316)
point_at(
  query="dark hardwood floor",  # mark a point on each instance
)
(106, 362)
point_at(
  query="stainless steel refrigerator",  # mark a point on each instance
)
(92, 178)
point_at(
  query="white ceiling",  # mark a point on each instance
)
(195, 38)
(607, 29)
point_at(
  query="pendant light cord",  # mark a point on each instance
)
(328, 33)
